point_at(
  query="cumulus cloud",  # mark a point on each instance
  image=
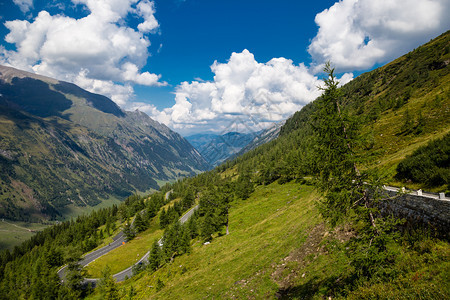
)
(245, 95)
(99, 52)
(24, 5)
(356, 34)
(146, 9)
(353, 35)
(117, 92)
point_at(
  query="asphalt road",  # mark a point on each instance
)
(118, 240)
(129, 271)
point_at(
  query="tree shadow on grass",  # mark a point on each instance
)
(312, 288)
(303, 291)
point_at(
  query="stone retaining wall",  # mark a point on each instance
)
(433, 213)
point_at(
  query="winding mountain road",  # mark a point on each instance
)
(129, 271)
(118, 240)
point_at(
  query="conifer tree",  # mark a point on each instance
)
(185, 240)
(244, 186)
(139, 224)
(74, 278)
(207, 227)
(163, 218)
(335, 159)
(129, 231)
(349, 194)
(108, 285)
(192, 226)
(154, 260)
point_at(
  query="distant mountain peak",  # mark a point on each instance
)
(218, 148)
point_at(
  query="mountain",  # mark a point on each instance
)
(263, 137)
(400, 106)
(218, 148)
(62, 146)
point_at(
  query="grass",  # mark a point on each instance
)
(263, 230)
(126, 255)
(391, 146)
(73, 211)
(278, 246)
(14, 233)
(415, 274)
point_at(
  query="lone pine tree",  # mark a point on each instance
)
(350, 195)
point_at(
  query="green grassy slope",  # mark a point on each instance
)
(278, 246)
(263, 230)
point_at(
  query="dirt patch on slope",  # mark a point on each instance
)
(292, 267)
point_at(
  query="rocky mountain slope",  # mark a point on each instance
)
(61, 146)
(218, 148)
(263, 137)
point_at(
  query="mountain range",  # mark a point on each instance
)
(62, 146)
(216, 149)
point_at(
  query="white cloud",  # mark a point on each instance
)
(353, 35)
(99, 52)
(121, 94)
(356, 34)
(244, 94)
(24, 5)
(146, 9)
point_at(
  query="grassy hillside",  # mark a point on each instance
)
(278, 246)
(264, 229)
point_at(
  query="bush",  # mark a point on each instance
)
(429, 164)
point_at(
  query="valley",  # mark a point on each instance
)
(14, 233)
(81, 152)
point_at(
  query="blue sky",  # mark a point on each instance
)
(211, 65)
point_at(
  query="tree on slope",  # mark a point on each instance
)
(154, 260)
(347, 198)
(108, 285)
